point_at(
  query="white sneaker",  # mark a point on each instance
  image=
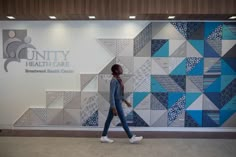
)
(105, 139)
(135, 139)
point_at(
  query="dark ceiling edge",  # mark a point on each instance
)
(119, 20)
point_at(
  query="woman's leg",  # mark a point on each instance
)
(123, 120)
(108, 122)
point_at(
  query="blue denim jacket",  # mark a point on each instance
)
(115, 92)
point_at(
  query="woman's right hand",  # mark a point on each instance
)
(114, 111)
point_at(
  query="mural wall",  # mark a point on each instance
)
(176, 74)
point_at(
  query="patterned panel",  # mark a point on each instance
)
(89, 106)
(213, 30)
(181, 27)
(104, 82)
(159, 101)
(89, 82)
(159, 48)
(124, 47)
(212, 66)
(176, 74)
(194, 66)
(24, 120)
(164, 83)
(195, 30)
(38, 116)
(54, 116)
(54, 99)
(72, 117)
(72, 100)
(142, 38)
(210, 118)
(177, 108)
(92, 120)
(142, 67)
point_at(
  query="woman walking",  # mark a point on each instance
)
(116, 98)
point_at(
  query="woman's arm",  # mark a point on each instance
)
(113, 86)
(127, 103)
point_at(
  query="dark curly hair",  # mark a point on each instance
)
(114, 68)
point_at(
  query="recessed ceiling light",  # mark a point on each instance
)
(53, 17)
(232, 17)
(11, 17)
(171, 17)
(92, 17)
(132, 17)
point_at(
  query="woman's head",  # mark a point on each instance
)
(116, 69)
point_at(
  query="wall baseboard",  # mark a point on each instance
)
(117, 134)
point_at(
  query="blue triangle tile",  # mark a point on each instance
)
(189, 121)
(180, 69)
(231, 105)
(138, 97)
(226, 80)
(226, 69)
(198, 45)
(160, 48)
(163, 51)
(210, 28)
(227, 33)
(231, 62)
(197, 70)
(196, 115)
(215, 98)
(225, 115)
(215, 86)
(173, 98)
(190, 98)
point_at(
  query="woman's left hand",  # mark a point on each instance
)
(128, 104)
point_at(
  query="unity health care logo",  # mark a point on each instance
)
(17, 46)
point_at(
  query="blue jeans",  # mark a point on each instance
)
(122, 119)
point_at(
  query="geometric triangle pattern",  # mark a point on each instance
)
(176, 74)
(177, 48)
(92, 120)
(86, 79)
(160, 48)
(212, 66)
(176, 107)
(195, 30)
(228, 48)
(213, 30)
(177, 66)
(210, 118)
(133, 119)
(181, 27)
(212, 83)
(189, 121)
(195, 48)
(159, 101)
(229, 32)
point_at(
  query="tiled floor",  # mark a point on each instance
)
(91, 147)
